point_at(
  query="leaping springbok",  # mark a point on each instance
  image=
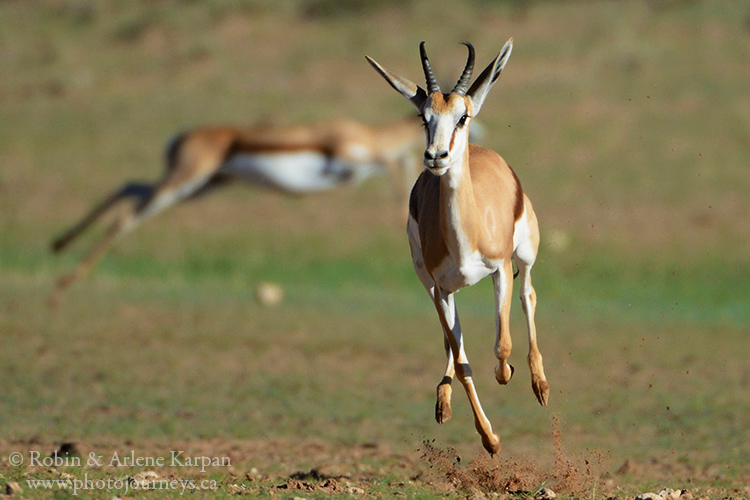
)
(468, 218)
(294, 160)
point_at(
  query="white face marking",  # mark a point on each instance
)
(446, 135)
(296, 172)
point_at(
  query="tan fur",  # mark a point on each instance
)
(489, 183)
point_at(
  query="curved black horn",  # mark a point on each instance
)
(462, 86)
(432, 85)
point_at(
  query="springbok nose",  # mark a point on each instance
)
(440, 155)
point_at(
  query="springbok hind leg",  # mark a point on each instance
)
(159, 199)
(124, 222)
(528, 301)
(138, 193)
(135, 190)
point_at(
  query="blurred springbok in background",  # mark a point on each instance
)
(294, 160)
(468, 218)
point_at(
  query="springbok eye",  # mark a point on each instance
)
(424, 120)
(462, 121)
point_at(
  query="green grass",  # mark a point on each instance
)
(627, 123)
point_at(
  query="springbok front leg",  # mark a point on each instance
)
(502, 280)
(443, 411)
(446, 308)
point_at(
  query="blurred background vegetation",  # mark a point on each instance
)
(628, 123)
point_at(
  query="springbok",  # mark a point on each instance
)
(468, 218)
(293, 160)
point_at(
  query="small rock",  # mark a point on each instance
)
(13, 488)
(686, 495)
(236, 489)
(269, 294)
(545, 494)
(669, 494)
(649, 496)
(353, 490)
(67, 477)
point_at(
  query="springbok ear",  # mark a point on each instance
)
(406, 87)
(482, 85)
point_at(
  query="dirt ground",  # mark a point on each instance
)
(307, 467)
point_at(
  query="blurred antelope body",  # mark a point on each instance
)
(468, 219)
(294, 160)
(295, 171)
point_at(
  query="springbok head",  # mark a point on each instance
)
(446, 117)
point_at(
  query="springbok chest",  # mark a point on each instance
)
(456, 272)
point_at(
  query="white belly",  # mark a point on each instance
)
(295, 172)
